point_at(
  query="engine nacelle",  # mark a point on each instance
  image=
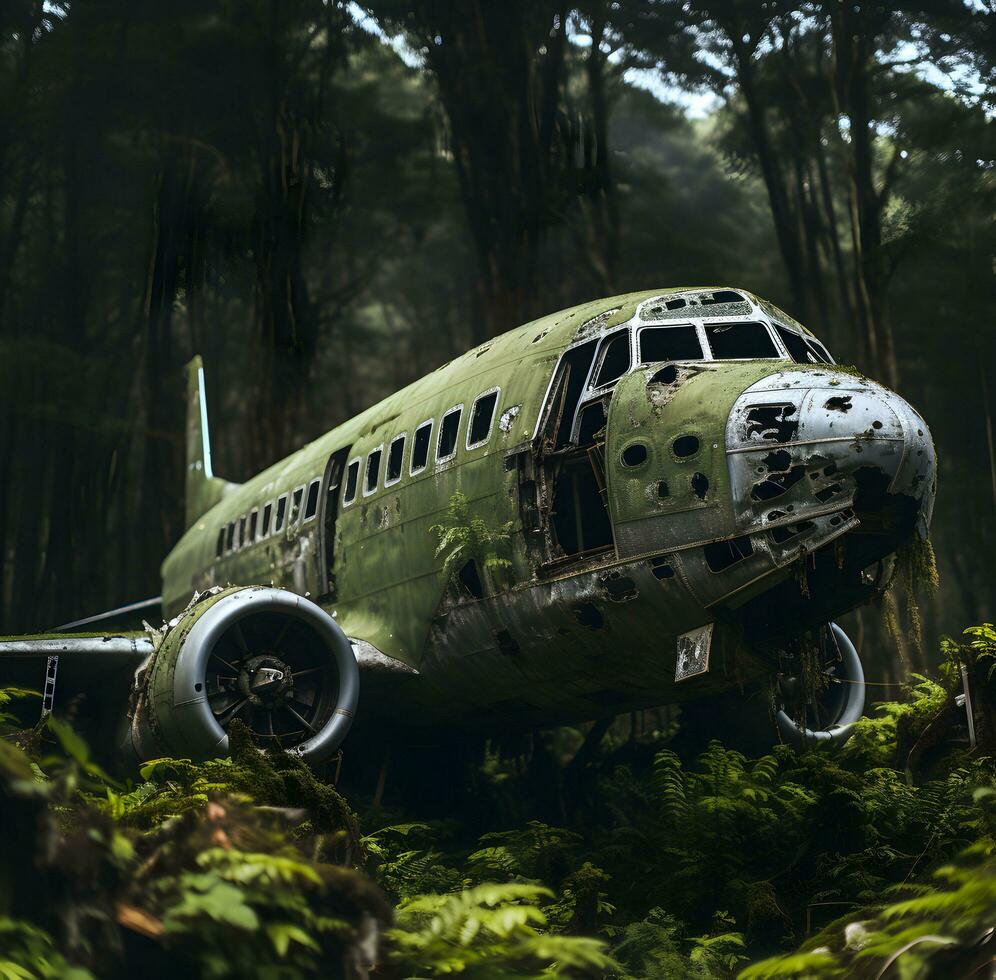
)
(271, 658)
(838, 706)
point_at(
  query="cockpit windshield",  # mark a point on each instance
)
(740, 339)
(680, 343)
(803, 350)
(727, 340)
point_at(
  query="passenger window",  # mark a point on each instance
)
(352, 474)
(219, 549)
(295, 509)
(311, 505)
(448, 428)
(242, 531)
(615, 360)
(420, 447)
(264, 529)
(395, 460)
(372, 471)
(231, 537)
(253, 522)
(744, 339)
(483, 414)
(670, 344)
(278, 523)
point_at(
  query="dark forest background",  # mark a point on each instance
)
(328, 200)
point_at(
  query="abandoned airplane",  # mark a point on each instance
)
(642, 500)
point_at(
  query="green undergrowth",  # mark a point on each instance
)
(877, 858)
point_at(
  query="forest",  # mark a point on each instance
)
(327, 200)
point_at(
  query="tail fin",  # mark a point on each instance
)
(203, 488)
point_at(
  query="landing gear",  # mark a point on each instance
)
(820, 699)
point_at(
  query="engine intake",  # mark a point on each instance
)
(273, 659)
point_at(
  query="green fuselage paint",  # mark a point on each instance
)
(624, 527)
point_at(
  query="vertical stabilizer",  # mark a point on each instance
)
(203, 488)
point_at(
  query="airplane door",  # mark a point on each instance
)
(331, 484)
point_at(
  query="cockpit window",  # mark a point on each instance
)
(744, 338)
(803, 350)
(670, 344)
(615, 360)
(819, 351)
(794, 344)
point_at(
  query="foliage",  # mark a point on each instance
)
(984, 644)
(27, 952)
(464, 537)
(490, 931)
(685, 866)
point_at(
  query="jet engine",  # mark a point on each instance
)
(274, 660)
(824, 707)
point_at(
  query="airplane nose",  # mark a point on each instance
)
(809, 445)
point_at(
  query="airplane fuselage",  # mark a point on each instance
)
(615, 476)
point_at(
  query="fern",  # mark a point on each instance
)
(464, 537)
(491, 931)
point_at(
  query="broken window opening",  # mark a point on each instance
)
(770, 423)
(821, 355)
(591, 423)
(278, 524)
(481, 419)
(720, 296)
(372, 472)
(230, 540)
(785, 533)
(580, 520)
(420, 447)
(219, 549)
(700, 485)
(679, 343)
(295, 508)
(352, 477)
(776, 484)
(634, 455)
(661, 568)
(685, 446)
(470, 580)
(395, 460)
(827, 492)
(253, 523)
(794, 343)
(448, 429)
(566, 392)
(264, 527)
(721, 555)
(615, 359)
(241, 540)
(311, 504)
(802, 349)
(747, 339)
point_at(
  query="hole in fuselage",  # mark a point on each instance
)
(588, 616)
(700, 485)
(661, 568)
(665, 376)
(720, 555)
(634, 455)
(685, 446)
(471, 580)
